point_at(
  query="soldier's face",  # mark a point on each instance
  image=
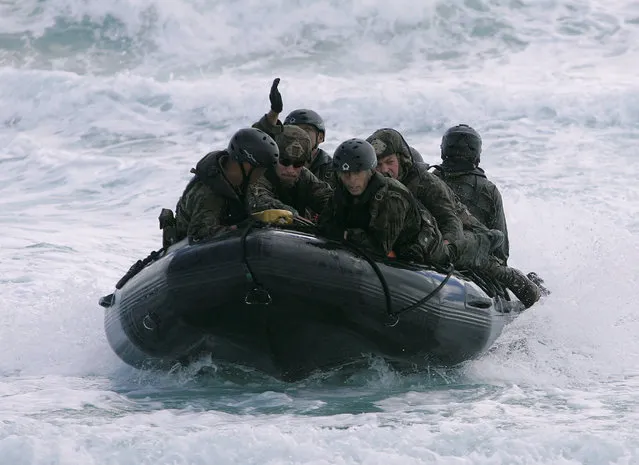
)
(389, 165)
(288, 174)
(355, 181)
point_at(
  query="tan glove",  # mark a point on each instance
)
(274, 216)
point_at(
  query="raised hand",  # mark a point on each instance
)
(275, 97)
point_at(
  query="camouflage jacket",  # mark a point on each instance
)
(267, 127)
(307, 196)
(385, 218)
(209, 203)
(437, 197)
(433, 194)
(482, 198)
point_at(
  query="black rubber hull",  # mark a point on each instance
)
(327, 308)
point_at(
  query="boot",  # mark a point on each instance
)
(534, 277)
(523, 288)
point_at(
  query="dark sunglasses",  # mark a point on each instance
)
(289, 162)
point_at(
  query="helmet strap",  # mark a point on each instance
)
(246, 179)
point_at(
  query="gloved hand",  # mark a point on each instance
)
(275, 97)
(274, 216)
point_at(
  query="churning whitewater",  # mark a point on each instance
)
(106, 106)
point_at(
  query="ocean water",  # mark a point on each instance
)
(105, 106)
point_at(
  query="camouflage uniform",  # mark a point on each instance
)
(426, 187)
(307, 196)
(322, 164)
(209, 203)
(481, 197)
(385, 218)
(267, 127)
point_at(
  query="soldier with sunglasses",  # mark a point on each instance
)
(289, 185)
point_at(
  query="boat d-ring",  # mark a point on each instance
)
(258, 296)
(392, 320)
(150, 322)
(107, 300)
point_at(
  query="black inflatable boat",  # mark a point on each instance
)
(288, 303)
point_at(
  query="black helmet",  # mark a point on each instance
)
(251, 145)
(304, 116)
(354, 155)
(463, 142)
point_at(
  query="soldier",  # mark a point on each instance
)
(215, 199)
(377, 212)
(289, 185)
(460, 154)
(395, 159)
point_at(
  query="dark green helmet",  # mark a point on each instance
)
(461, 142)
(354, 155)
(304, 116)
(251, 145)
